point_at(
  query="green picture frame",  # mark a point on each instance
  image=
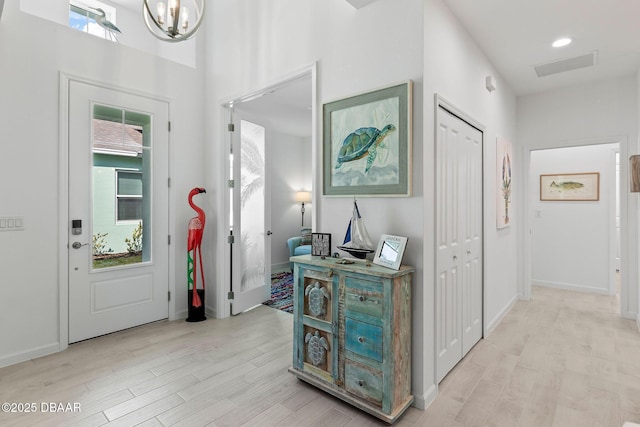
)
(367, 144)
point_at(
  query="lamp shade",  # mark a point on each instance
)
(303, 196)
(634, 173)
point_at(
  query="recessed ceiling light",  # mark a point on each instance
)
(561, 42)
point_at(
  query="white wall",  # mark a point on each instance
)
(134, 31)
(571, 239)
(290, 171)
(600, 112)
(455, 68)
(387, 42)
(33, 52)
(356, 51)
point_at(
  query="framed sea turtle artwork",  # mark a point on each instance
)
(570, 187)
(367, 143)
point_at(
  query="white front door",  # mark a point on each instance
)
(251, 250)
(118, 210)
(458, 239)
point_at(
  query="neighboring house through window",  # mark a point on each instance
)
(118, 175)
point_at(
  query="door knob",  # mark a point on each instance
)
(78, 245)
(269, 233)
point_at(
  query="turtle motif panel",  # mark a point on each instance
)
(318, 298)
(318, 349)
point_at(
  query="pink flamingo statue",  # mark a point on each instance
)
(194, 241)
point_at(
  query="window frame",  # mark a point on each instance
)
(119, 197)
(83, 9)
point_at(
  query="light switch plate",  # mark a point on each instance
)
(11, 223)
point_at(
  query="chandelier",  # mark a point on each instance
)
(173, 22)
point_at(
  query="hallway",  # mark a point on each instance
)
(564, 359)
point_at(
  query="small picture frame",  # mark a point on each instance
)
(390, 251)
(321, 244)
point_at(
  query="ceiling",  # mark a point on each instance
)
(517, 34)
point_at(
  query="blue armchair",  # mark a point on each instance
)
(297, 248)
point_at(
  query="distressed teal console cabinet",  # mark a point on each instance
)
(352, 332)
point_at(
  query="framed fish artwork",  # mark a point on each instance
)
(367, 143)
(570, 187)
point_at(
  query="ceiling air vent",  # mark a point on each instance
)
(568, 64)
(360, 3)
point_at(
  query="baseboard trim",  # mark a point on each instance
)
(210, 312)
(422, 402)
(34, 353)
(496, 320)
(571, 287)
(182, 314)
(281, 267)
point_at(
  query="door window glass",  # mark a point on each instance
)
(252, 202)
(121, 157)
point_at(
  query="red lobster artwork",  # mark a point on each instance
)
(194, 241)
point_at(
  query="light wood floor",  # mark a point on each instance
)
(564, 359)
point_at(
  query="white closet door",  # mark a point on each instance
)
(471, 215)
(459, 240)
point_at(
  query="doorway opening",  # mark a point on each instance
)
(575, 239)
(285, 112)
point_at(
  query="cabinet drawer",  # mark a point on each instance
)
(363, 382)
(363, 339)
(365, 303)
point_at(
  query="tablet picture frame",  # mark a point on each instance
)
(390, 251)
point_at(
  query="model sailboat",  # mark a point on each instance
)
(357, 241)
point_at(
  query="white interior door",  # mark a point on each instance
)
(118, 210)
(471, 216)
(459, 240)
(251, 250)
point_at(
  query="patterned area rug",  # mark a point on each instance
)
(281, 292)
